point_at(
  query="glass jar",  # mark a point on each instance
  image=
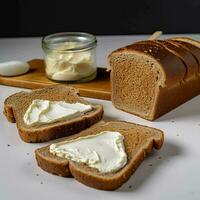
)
(70, 56)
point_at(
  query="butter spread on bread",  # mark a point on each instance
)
(138, 142)
(16, 105)
(104, 151)
(45, 111)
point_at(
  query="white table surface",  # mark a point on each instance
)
(175, 176)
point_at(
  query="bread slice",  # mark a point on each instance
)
(148, 78)
(185, 55)
(138, 140)
(16, 105)
(189, 45)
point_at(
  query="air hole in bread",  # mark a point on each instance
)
(157, 78)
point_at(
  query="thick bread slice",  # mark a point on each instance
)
(16, 105)
(194, 49)
(186, 56)
(138, 140)
(148, 79)
(191, 81)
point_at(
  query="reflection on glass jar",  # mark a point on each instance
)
(70, 56)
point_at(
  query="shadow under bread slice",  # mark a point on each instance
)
(15, 107)
(138, 142)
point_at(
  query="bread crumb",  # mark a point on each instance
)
(8, 145)
(27, 153)
(130, 186)
(177, 134)
(172, 121)
(37, 174)
(150, 165)
(41, 182)
(159, 157)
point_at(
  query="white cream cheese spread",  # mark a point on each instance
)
(45, 111)
(69, 66)
(104, 151)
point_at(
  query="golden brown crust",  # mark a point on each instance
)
(139, 141)
(188, 40)
(16, 105)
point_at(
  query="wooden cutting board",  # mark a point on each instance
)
(98, 88)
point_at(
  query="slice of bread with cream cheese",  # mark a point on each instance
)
(103, 156)
(49, 113)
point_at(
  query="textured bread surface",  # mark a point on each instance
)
(138, 141)
(16, 105)
(150, 78)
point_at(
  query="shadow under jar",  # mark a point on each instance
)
(70, 56)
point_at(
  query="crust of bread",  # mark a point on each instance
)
(188, 40)
(139, 141)
(16, 105)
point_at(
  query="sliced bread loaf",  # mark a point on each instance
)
(16, 105)
(138, 141)
(148, 78)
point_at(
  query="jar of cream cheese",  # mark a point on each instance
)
(70, 56)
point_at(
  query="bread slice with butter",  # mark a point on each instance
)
(61, 99)
(138, 141)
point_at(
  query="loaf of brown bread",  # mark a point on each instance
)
(16, 105)
(138, 141)
(150, 78)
